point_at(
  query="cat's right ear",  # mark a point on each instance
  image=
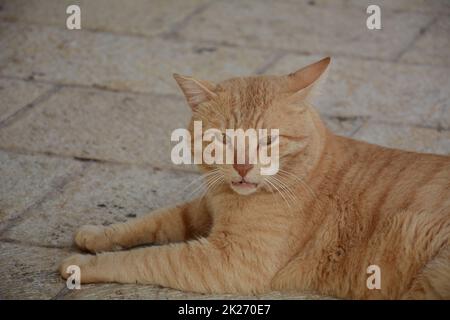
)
(195, 91)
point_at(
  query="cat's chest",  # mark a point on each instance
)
(242, 208)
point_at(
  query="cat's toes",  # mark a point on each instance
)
(93, 239)
(79, 260)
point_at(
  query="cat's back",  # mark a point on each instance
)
(385, 179)
(384, 190)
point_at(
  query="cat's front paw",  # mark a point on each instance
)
(79, 260)
(94, 239)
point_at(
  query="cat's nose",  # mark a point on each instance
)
(242, 169)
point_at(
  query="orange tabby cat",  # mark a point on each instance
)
(335, 207)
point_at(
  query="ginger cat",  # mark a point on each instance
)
(335, 207)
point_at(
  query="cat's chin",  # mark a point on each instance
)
(244, 188)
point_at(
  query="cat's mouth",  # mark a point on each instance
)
(244, 187)
(244, 184)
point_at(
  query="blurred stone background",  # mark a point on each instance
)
(86, 115)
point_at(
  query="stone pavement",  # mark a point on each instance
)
(86, 115)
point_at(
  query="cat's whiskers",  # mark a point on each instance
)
(313, 194)
(212, 183)
(272, 192)
(269, 181)
(288, 174)
(289, 192)
(202, 182)
(198, 179)
(270, 187)
(197, 189)
(215, 183)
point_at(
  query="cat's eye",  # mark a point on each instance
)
(222, 137)
(268, 140)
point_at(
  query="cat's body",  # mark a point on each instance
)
(374, 206)
(339, 206)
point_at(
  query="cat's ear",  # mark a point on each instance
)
(305, 83)
(195, 91)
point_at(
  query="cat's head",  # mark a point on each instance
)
(260, 102)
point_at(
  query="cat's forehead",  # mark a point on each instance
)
(261, 87)
(244, 101)
(249, 93)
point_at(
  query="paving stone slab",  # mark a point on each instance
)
(26, 179)
(343, 126)
(116, 62)
(16, 94)
(29, 272)
(433, 47)
(147, 292)
(405, 137)
(386, 91)
(305, 28)
(139, 17)
(139, 292)
(424, 6)
(104, 195)
(104, 125)
(446, 116)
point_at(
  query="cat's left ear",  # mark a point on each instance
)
(304, 83)
(195, 91)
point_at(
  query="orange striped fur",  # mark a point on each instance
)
(335, 207)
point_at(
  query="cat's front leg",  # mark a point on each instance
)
(166, 225)
(197, 265)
